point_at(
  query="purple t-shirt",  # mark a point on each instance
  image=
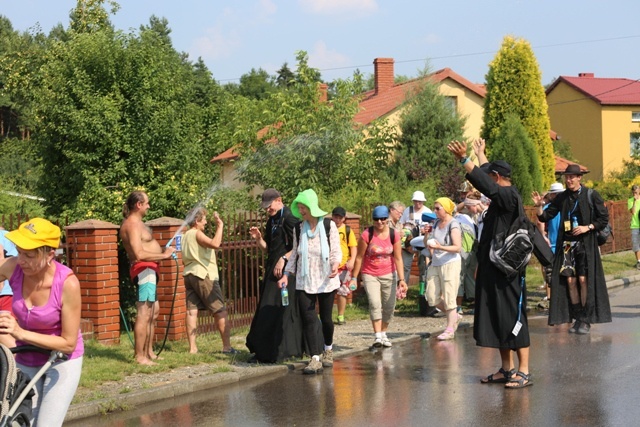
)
(44, 319)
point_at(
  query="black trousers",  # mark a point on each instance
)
(307, 304)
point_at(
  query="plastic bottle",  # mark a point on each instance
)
(285, 296)
(352, 285)
(422, 286)
(574, 222)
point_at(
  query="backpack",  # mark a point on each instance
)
(392, 235)
(415, 230)
(601, 235)
(511, 250)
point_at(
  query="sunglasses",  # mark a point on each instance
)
(380, 219)
(437, 208)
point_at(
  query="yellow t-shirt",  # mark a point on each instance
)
(199, 261)
(346, 242)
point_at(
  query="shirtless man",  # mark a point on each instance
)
(144, 252)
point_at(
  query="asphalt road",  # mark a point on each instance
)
(589, 380)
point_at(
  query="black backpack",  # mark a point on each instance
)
(602, 235)
(392, 235)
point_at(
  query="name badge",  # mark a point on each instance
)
(567, 226)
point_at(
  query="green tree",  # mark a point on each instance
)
(313, 144)
(90, 15)
(285, 77)
(514, 86)
(256, 84)
(427, 125)
(514, 145)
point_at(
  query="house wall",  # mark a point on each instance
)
(578, 121)
(616, 129)
(470, 106)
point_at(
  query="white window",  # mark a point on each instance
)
(452, 102)
(635, 116)
(634, 138)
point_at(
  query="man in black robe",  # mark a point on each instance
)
(500, 319)
(276, 330)
(578, 283)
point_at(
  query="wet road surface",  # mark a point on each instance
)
(579, 380)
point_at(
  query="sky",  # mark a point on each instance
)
(232, 37)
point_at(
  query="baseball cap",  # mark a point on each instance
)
(340, 211)
(34, 234)
(500, 167)
(380, 212)
(269, 195)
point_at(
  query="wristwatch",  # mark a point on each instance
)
(284, 257)
(590, 226)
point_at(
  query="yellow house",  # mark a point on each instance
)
(386, 101)
(598, 117)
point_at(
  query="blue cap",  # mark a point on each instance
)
(428, 217)
(380, 212)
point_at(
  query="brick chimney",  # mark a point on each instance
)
(383, 74)
(323, 89)
(586, 75)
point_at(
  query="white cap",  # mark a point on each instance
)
(418, 196)
(556, 187)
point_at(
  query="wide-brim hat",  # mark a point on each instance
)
(309, 198)
(574, 169)
(418, 196)
(34, 234)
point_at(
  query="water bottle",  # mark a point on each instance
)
(422, 288)
(285, 296)
(574, 222)
(353, 285)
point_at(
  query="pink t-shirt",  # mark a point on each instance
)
(44, 319)
(378, 258)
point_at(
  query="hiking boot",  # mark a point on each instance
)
(314, 367)
(584, 328)
(574, 328)
(327, 359)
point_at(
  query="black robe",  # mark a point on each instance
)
(597, 309)
(276, 331)
(498, 298)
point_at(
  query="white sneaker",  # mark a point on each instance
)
(386, 342)
(377, 343)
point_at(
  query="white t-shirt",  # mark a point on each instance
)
(417, 215)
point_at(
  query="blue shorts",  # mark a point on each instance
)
(146, 281)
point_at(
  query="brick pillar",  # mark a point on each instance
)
(92, 247)
(163, 230)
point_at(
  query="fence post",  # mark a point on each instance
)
(163, 229)
(92, 252)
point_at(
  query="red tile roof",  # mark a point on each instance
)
(604, 91)
(374, 106)
(561, 165)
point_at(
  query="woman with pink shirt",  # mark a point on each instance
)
(379, 256)
(46, 306)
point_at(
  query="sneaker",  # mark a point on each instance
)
(327, 359)
(340, 322)
(574, 328)
(386, 342)
(638, 265)
(314, 367)
(377, 343)
(584, 328)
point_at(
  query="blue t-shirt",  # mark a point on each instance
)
(553, 226)
(10, 250)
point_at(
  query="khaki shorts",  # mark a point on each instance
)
(203, 294)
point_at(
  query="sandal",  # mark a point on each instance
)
(448, 334)
(522, 382)
(506, 377)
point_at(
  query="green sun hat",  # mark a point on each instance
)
(309, 198)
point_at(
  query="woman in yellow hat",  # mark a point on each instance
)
(46, 306)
